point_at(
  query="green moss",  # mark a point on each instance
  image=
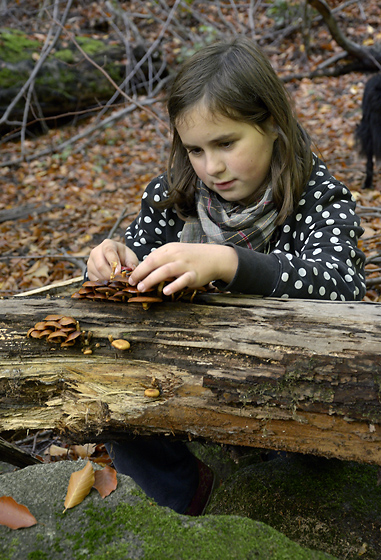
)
(66, 55)
(15, 45)
(155, 536)
(11, 550)
(326, 504)
(89, 45)
(7, 78)
(38, 555)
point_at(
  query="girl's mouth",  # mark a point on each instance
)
(225, 185)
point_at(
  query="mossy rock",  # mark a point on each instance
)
(16, 46)
(127, 525)
(67, 82)
(327, 504)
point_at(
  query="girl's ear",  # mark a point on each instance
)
(272, 129)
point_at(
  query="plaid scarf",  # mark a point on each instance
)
(224, 222)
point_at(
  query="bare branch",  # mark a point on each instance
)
(46, 49)
(349, 46)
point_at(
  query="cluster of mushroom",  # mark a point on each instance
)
(118, 289)
(58, 329)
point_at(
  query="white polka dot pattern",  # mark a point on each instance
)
(314, 253)
(325, 242)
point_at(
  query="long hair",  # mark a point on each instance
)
(235, 79)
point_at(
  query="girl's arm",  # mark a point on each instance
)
(316, 255)
(193, 265)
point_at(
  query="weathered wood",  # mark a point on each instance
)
(12, 454)
(285, 374)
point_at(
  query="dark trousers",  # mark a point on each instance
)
(165, 470)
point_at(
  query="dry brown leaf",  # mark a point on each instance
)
(15, 515)
(80, 484)
(83, 451)
(105, 481)
(57, 451)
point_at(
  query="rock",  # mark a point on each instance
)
(126, 524)
(325, 504)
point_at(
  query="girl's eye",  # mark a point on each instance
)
(194, 151)
(227, 144)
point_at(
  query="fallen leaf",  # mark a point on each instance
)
(80, 484)
(105, 481)
(56, 451)
(84, 451)
(15, 515)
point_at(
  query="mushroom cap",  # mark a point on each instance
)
(152, 392)
(34, 333)
(40, 326)
(66, 321)
(94, 283)
(57, 336)
(121, 344)
(73, 336)
(53, 324)
(77, 295)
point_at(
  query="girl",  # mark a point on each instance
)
(244, 204)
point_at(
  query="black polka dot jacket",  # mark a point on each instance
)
(313, 254)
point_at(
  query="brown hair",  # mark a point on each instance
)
(235, 79)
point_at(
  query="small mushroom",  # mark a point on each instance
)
(40, 326)
(53, 317)
(73, 336)
(66, 344)
(46, 333)
(57, 336)
(121, 344)
(145, 299)
(53, 324)
(34, 333)
(67, 321)
(152, 392)
(94, 283)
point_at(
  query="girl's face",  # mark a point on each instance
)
(231, 157)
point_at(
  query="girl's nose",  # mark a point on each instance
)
(214, 164)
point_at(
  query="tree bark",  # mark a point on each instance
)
(296, 375)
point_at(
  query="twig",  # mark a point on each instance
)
(373, 281)
(373, 259)
(46, 49)
(73, 139)
(122, 216)
(140, 63)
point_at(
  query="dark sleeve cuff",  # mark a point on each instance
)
(257, 273)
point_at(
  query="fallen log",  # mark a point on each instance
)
(296, 375)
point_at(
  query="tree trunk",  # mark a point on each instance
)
(296, 375)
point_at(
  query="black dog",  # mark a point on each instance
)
(368, 132)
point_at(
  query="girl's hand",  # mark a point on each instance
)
(102, 259)
(191, 264)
